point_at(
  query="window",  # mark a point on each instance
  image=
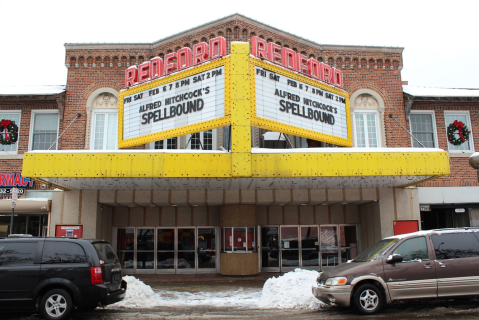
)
(14, 253)
(413, 249)
(63, 252)
(463, 116)
(105, 252)
(44, 130)
(172, 143)
(423, 128)
(455, 245)
(366, 129)
(105, 130)
(14, 116)
(300, 142)
(205, 140)
(239, 239)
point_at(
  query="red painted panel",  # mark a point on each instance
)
(407, 226)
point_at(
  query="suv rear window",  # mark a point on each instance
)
(63, 252)
(105, 252)
(455, 245)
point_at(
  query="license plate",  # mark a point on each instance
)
(116, 276)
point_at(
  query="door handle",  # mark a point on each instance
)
(441, 265)
(427, 266)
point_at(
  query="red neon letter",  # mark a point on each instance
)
(200, 52)
(131, 76)
(338, 78)
(288, 57)
(301, 62)
(144, 72)
(258, 47)
(170, 66)
(326, 73)
(184, 58)
(156, 67)
(217, 47)
(274, 52)
(313, 68)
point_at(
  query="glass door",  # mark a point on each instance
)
(145, 250)
(206, 249)
(186, 253)
(165, 250)
(309, 247)
(270, 248)
(329, 246)
(125, 247)
(289, 248)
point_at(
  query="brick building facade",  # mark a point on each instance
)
(341, 217)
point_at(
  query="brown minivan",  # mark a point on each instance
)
(424, 264)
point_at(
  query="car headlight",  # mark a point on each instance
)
(336, 281)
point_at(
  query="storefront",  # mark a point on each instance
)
(240, 210)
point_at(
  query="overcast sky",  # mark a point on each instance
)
(439, 37)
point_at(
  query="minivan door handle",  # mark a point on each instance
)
(441, 265)
(427, 266)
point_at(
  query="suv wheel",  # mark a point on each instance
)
(56, 304)
(368, 299)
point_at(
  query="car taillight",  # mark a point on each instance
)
(96, 275)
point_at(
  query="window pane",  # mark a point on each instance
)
(14, 117)
(159, 144)
(63, 252)
(98, 131)
(45, 126)
(413, 249)
(450, 118)
(17, 253)
(112, 132)
(372, 131)
(455, 245)
(422, 128)
(208, 140)
(105, 131)
(360, 132)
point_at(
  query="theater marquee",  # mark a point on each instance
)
(288, 102)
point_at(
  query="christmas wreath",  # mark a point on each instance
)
(461, 129)
(8, 132)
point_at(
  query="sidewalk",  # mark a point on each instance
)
(203, 277)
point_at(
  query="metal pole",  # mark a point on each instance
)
(11, 221)
(391, 116)
(78, 116)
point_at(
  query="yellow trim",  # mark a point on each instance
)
(428, 165)
(196, 127)
(290, 129)
(240, 110)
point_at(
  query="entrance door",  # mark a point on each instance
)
(270, 248)
(329, 246)
(186, 253)
(206, 249)
(309, 247)
(289, 248)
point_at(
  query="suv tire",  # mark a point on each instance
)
(56, 304)
(368, 299)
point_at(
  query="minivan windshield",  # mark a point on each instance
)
(376, 250)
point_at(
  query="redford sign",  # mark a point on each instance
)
(186, 57)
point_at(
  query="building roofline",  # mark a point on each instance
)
(235, 16)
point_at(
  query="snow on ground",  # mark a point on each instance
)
(290, 291)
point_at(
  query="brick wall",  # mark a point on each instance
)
(462, 174)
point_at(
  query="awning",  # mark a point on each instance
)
(311, 168)
(32, 205)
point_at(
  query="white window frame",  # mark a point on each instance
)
(214, 140)
(434, 128)
(178, 144)
(19, 128)
(468, 124)
(32, 124)
(93, 123)
(378, 131)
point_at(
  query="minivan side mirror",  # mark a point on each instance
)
(394, 258)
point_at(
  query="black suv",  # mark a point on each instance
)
(53, 275)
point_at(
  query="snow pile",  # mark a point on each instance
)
(138, 295)
(290, 291)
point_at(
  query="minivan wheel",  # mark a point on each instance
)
(368, 299)
(56, 304)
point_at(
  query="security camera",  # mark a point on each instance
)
(44, 186)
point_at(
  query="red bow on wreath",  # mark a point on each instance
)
(460, 129)
(5, 123)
